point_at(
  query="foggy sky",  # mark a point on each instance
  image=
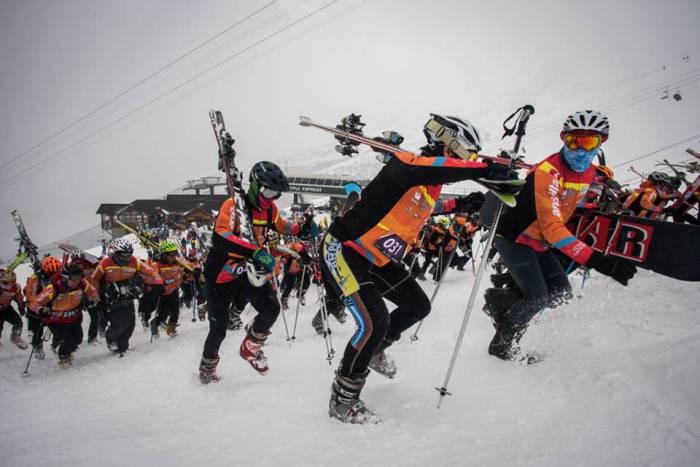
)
(394, 62)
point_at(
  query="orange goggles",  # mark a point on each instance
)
(578, 141)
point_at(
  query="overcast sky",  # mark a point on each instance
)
(392, 61)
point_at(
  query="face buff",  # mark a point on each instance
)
(579, 159)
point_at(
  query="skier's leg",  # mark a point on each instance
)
(219, 299)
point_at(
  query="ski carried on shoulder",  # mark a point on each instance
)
(234, 183)
(494, 186)
(19, 259)
(29, 248)
(151, 244)
(68, 248)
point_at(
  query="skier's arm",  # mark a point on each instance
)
(148, 272)
(223, 238)
(647, 201)
(547, 191)
(43, 299)
(283, 226)
(415, 170)
(97, 275)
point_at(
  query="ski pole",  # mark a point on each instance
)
(31, 354)
(299, 295)
(194, 301)
(414, 336)
(330, 351)
(526, 111)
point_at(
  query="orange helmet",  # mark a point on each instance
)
(51, 264)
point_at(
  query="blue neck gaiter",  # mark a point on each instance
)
(579, 160)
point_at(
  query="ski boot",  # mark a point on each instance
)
(317, 323)
(381, 362)
(345, 403)
(207, 370)
(93, 341)
(498, 302)
(504, 344)
(39, 352)
(202, 311)
(144, 323)
(285, 303)
(504, 279)
(17, 340)
(171, 331)
(234, 320)
(65, 361)
(251, 350)
(155, 331)
(113, 347)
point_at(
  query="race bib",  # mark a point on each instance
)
(392, 246)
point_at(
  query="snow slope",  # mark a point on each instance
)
(618, 387)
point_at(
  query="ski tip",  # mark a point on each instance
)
(304, 121)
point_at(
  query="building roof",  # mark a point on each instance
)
(110, 208)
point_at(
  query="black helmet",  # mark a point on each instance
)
(268, 174)
(266, 180)
(71, 270)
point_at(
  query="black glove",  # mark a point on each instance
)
(305, 258)
(470, 203)
(22, 310)
(498, 171)
(620, 270)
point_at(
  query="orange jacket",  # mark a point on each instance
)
(237, 249)
(172, 276)
(9, 292)
(111, 272)
(65, 304)
(647, 201)
(544, 206)
(385, 223)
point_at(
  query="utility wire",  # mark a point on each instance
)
(5, 183)
(656, 151)
(135, 85)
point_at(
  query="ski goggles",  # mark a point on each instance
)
(586, 142)
(269, 193)
(450, 140)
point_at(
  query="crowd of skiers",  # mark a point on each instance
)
(375, 250)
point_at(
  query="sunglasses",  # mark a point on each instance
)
(581, 141)
(270, 194)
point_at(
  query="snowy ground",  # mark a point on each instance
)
(618, 387)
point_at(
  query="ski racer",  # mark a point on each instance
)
(61, 303)
(10, 291)
(171, 273)
(651, 197)
(527, 233)
(119, 278)
(50, 265)
(363, 249)
(225, 269)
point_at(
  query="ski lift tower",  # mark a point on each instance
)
(204, 183)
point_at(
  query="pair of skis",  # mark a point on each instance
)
(494, 186)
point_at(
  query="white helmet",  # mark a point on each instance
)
(589, 120)
(122, 245)
(457, 133)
